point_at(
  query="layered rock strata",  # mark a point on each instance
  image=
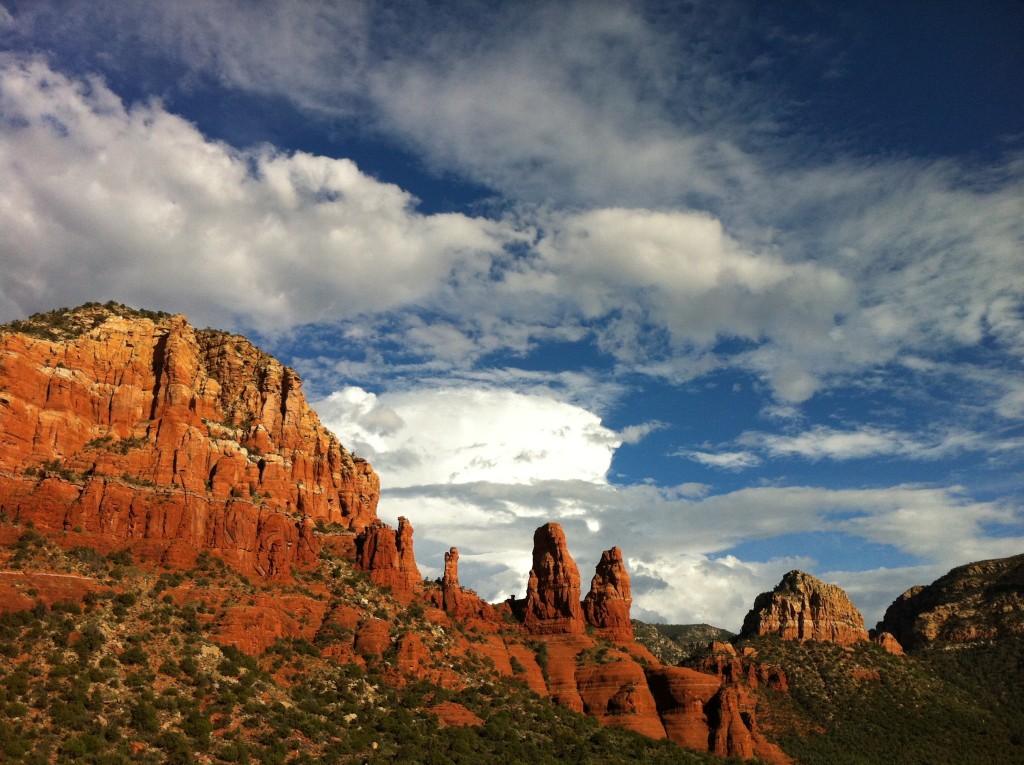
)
(386, 554)
(142, 429)
(802, 607)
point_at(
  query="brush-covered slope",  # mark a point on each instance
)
(114, 663)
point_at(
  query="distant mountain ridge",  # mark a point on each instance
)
(978, 602)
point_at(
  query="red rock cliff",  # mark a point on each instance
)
(553, 589)
(606, 606)
(802, 607)
(140, 428)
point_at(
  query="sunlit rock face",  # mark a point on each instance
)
(553, 589)
(802, 607)
(606, 606)
(136, 427)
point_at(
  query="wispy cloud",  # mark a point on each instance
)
(726, 460)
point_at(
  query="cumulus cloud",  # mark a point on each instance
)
(470, 434)
(102, 199)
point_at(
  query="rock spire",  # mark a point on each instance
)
(606, 606)
(553, 590)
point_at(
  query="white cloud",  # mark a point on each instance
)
(727, 460)
(468, 434)
(136, 204)
(682, 272)
(864, 442)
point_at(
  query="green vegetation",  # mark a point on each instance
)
(674, 643)
(130, 674)
(120, 446)
(69, 323)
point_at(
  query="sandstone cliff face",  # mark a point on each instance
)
(553, 589)
(978, 602)
(606, 606)
(145, 429)
(802, 607)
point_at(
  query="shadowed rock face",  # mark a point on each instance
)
(147, 431)
(553, 590)
(979, 601)
(802, 607)
(606, 606)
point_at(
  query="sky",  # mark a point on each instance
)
(735, 286)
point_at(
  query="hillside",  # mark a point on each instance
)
(130, 665)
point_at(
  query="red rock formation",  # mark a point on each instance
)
(450, 714)
(681, 695)
(743, 670)
(553, 590)
(148, 430)
(888, 643)
(373, 638)
(254, 628)
(616, 693)
(463, 605)
(20, 590)
(734, 727)
(802, 607)
(606, 606)
(525, 667)
(558, 662)
(387, 555)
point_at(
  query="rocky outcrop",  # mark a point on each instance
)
(386, 554)
(553, 589)
(606, 606)
(452, 715)
(887, 642)
(802, 607)
(616, 693)
(981, 601)
(742, 669)
(138, 427)
(734, 727)
(459, 603)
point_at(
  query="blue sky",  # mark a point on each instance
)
(736, 286)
